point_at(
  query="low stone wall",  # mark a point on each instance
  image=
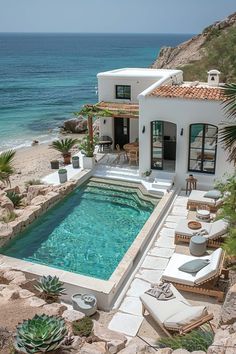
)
(37, 200)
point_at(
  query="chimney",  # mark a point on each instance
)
(213, 77)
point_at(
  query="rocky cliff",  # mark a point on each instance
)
(196, 49)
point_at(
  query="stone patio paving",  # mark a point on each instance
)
(128, 318)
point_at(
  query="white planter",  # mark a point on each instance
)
(88, 162)
(62, 177)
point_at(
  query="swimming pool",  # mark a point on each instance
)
(87, 233)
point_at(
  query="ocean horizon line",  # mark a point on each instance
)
(100, 33)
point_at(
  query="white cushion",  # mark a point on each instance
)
(183, 229)
(173, 274)
(210, 270)
(185, 316)
(198, 197)
(218, 228)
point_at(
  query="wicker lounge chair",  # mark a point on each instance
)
(205, 281)
(215, 232)
(197, 199)
(175, 315)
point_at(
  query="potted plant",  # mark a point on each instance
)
(87, 148)
(64, 146)
(62, 173)
(54, 164)
(75, 161)
(147, 174)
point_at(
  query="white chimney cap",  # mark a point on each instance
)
(213, 71)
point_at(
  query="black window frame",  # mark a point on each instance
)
(201, 170)
(153, 167)
(123, 97)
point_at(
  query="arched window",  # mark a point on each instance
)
(202, 148)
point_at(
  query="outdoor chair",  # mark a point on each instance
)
(133, 156)
(196, 199)
(175, 315)
(120, 154)
(214, 232)
(205, 281)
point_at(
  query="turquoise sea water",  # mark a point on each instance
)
(46, 77)
(87, 233)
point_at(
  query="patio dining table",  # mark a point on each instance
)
(131, 146)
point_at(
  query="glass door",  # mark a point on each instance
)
(157, 146)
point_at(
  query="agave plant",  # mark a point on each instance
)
(6, 168)
(64, 146)
(16, 198)
(50, 287)
(41, 334)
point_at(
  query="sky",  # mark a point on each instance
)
(120, 16)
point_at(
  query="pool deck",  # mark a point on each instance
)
(128, 319)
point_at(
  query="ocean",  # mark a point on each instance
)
(44, 78)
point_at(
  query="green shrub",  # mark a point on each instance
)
(83, 327)
(198, 339)
(41, 334)
(50, 287)
(15, 198)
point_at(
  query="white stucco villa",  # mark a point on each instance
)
(175, 122)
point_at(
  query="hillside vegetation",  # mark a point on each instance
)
(214, 48)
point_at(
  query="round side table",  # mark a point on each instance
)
(203, 214)
(197, 245)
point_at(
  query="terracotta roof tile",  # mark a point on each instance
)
(197, 93)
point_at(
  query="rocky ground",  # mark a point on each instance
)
(19, 300)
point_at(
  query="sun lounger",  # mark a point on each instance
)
(197, 199)
(204, 281)
(175, 315)
(214, 232)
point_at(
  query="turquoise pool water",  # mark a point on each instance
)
(86, 233)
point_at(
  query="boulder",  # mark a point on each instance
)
(72, 315)
(115, 341)
(25, 294)
(54, 309)
(181, 351)
(231, 344)
(33, 191)
(93, 348)
(164, 351)
(219, 343)
(228, 312)
(10, 293)
(75, 125)
(34, 301)
(198, 352)
(15, 277)
(6, 203)
(134, 348)
(5, 233)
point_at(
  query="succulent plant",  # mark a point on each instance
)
(50, 287)
(41, 334)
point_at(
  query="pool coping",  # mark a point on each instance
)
(106, 291)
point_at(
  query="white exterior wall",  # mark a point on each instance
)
(107, 87)
(182, 112)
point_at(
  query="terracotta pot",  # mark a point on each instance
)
(67, 158)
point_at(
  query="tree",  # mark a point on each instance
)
(228, 131)
(6, 167)
(91, 111)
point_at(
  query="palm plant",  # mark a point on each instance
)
(6, 168)
(41, 334)
(16, 198)
(228, 132)
(91, 111)
(64, 146)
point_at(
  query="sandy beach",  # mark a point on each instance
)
(34, 162)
